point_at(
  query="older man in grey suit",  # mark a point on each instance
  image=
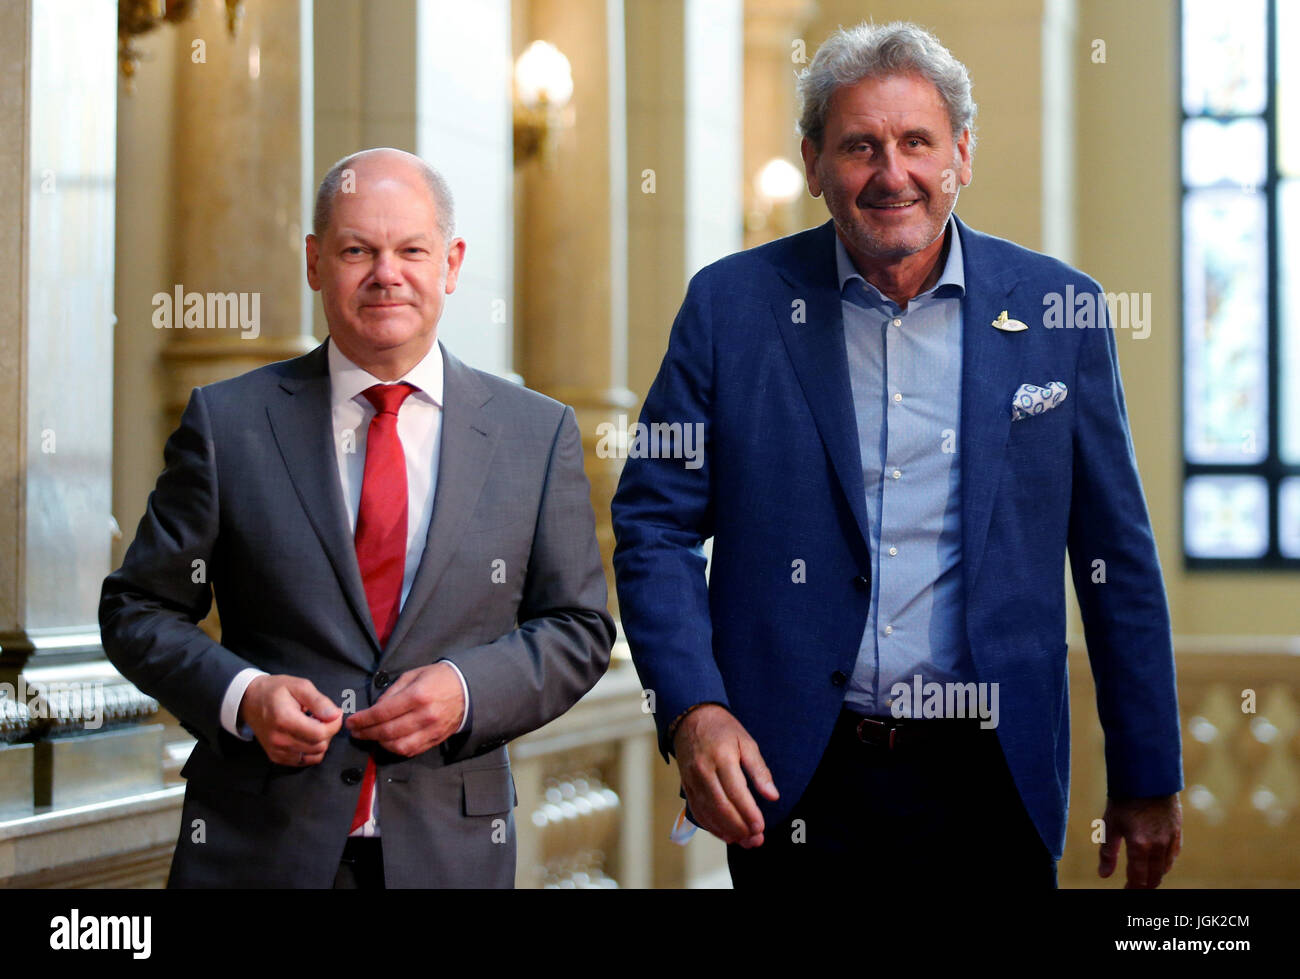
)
(403, 553)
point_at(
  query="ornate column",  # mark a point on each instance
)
(244, 185)
(571, 242)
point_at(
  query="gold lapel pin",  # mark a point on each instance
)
(1007, 325)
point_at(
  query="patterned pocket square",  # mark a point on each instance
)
(1034, 399)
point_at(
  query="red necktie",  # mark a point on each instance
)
(381, 535)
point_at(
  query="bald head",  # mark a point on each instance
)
(377, 164)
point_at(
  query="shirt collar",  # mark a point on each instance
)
(347, 380)
(954, 273)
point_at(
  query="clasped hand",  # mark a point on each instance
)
(294, 722)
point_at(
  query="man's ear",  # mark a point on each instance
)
(964, 157)
(313, 257)
(809, 154)
(455, 258)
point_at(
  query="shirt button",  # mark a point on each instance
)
(898, 396)
(889, 630)
(897, 473)
(893, 552)
(898, 322)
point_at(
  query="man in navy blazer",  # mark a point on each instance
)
(900, 449)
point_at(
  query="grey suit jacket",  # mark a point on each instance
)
(250, 507)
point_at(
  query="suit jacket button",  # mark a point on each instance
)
(382, 680)
(352, 776)
(861, 582)
(839, 678)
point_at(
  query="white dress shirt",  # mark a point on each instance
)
(419, 427)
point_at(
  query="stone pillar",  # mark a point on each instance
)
(684, 108)
(1060, 34)
(771, 107)
(243, 183)
(56, 354)
(463, 128)
(571, 241)
(656, 164)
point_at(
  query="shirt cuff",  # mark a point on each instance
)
(464, 689)
(234, 696)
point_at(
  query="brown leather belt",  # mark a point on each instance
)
(906, 733)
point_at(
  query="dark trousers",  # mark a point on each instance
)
(912, 816)
(362, 866)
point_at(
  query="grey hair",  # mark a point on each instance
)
(438, 190)
(868, 51)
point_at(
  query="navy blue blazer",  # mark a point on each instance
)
(757, 358)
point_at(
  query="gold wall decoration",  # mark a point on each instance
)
(136, 17)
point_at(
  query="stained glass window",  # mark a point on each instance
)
(1240, 252)
(1225, 296)
(1288, 517)
(1226, 516)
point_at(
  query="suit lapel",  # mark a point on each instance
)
(301, 424)
(991, 360)
(469, 438)
(816, 348)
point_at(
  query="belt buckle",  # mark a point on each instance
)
(878, 725)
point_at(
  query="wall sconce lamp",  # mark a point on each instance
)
(543, 88)
(136, 17)
(776, 185)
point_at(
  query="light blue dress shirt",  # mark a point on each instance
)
(905, 371)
